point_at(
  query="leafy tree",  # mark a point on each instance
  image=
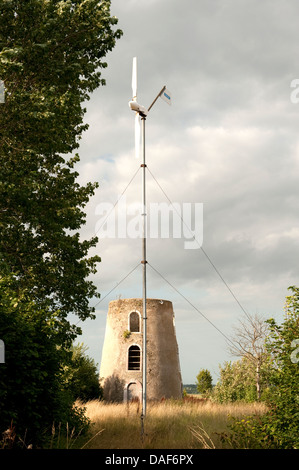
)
(81, 375)
(237, 382)
(249, 343)
(278, 428)
(51, 56)
(204, 382)
(32, 391)
(283, 421)
(51, 59)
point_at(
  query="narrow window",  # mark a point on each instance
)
(134, 358)
(134, 322)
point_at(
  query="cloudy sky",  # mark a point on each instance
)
(229, 141)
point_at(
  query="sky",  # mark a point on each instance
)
(229, 142)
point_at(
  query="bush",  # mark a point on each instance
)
(204, 382)
(248, 433)
(278, 428)
(81, 376)
(32, 391)
(237, 382)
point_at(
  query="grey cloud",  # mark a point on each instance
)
(230, 140)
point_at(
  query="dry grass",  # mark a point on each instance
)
(169, 424)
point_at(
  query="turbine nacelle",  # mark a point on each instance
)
(138, 108)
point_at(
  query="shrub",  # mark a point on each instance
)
(278, 428)
(81, 375)
(237, 382)
(32, 391)
(204, 382)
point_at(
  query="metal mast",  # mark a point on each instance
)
(141, 114)
(144, 232)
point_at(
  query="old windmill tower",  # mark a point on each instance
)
(140, 356)
(121, 367)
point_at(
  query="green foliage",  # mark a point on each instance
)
(32, 396)
(126, 334)
(283, 421)
(237, 382)
(51, 57)
(247, 433)
(278, 428)
(204, 382)
(81, 375)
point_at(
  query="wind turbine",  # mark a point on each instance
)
(140, 115)
(139, 110)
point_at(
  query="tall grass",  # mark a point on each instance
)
(171, 424)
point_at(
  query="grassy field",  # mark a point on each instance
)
(180, 424)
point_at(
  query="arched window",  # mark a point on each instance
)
(134, 357)
(134, 323)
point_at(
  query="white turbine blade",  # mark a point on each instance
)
(134, 78)
(137, 135)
